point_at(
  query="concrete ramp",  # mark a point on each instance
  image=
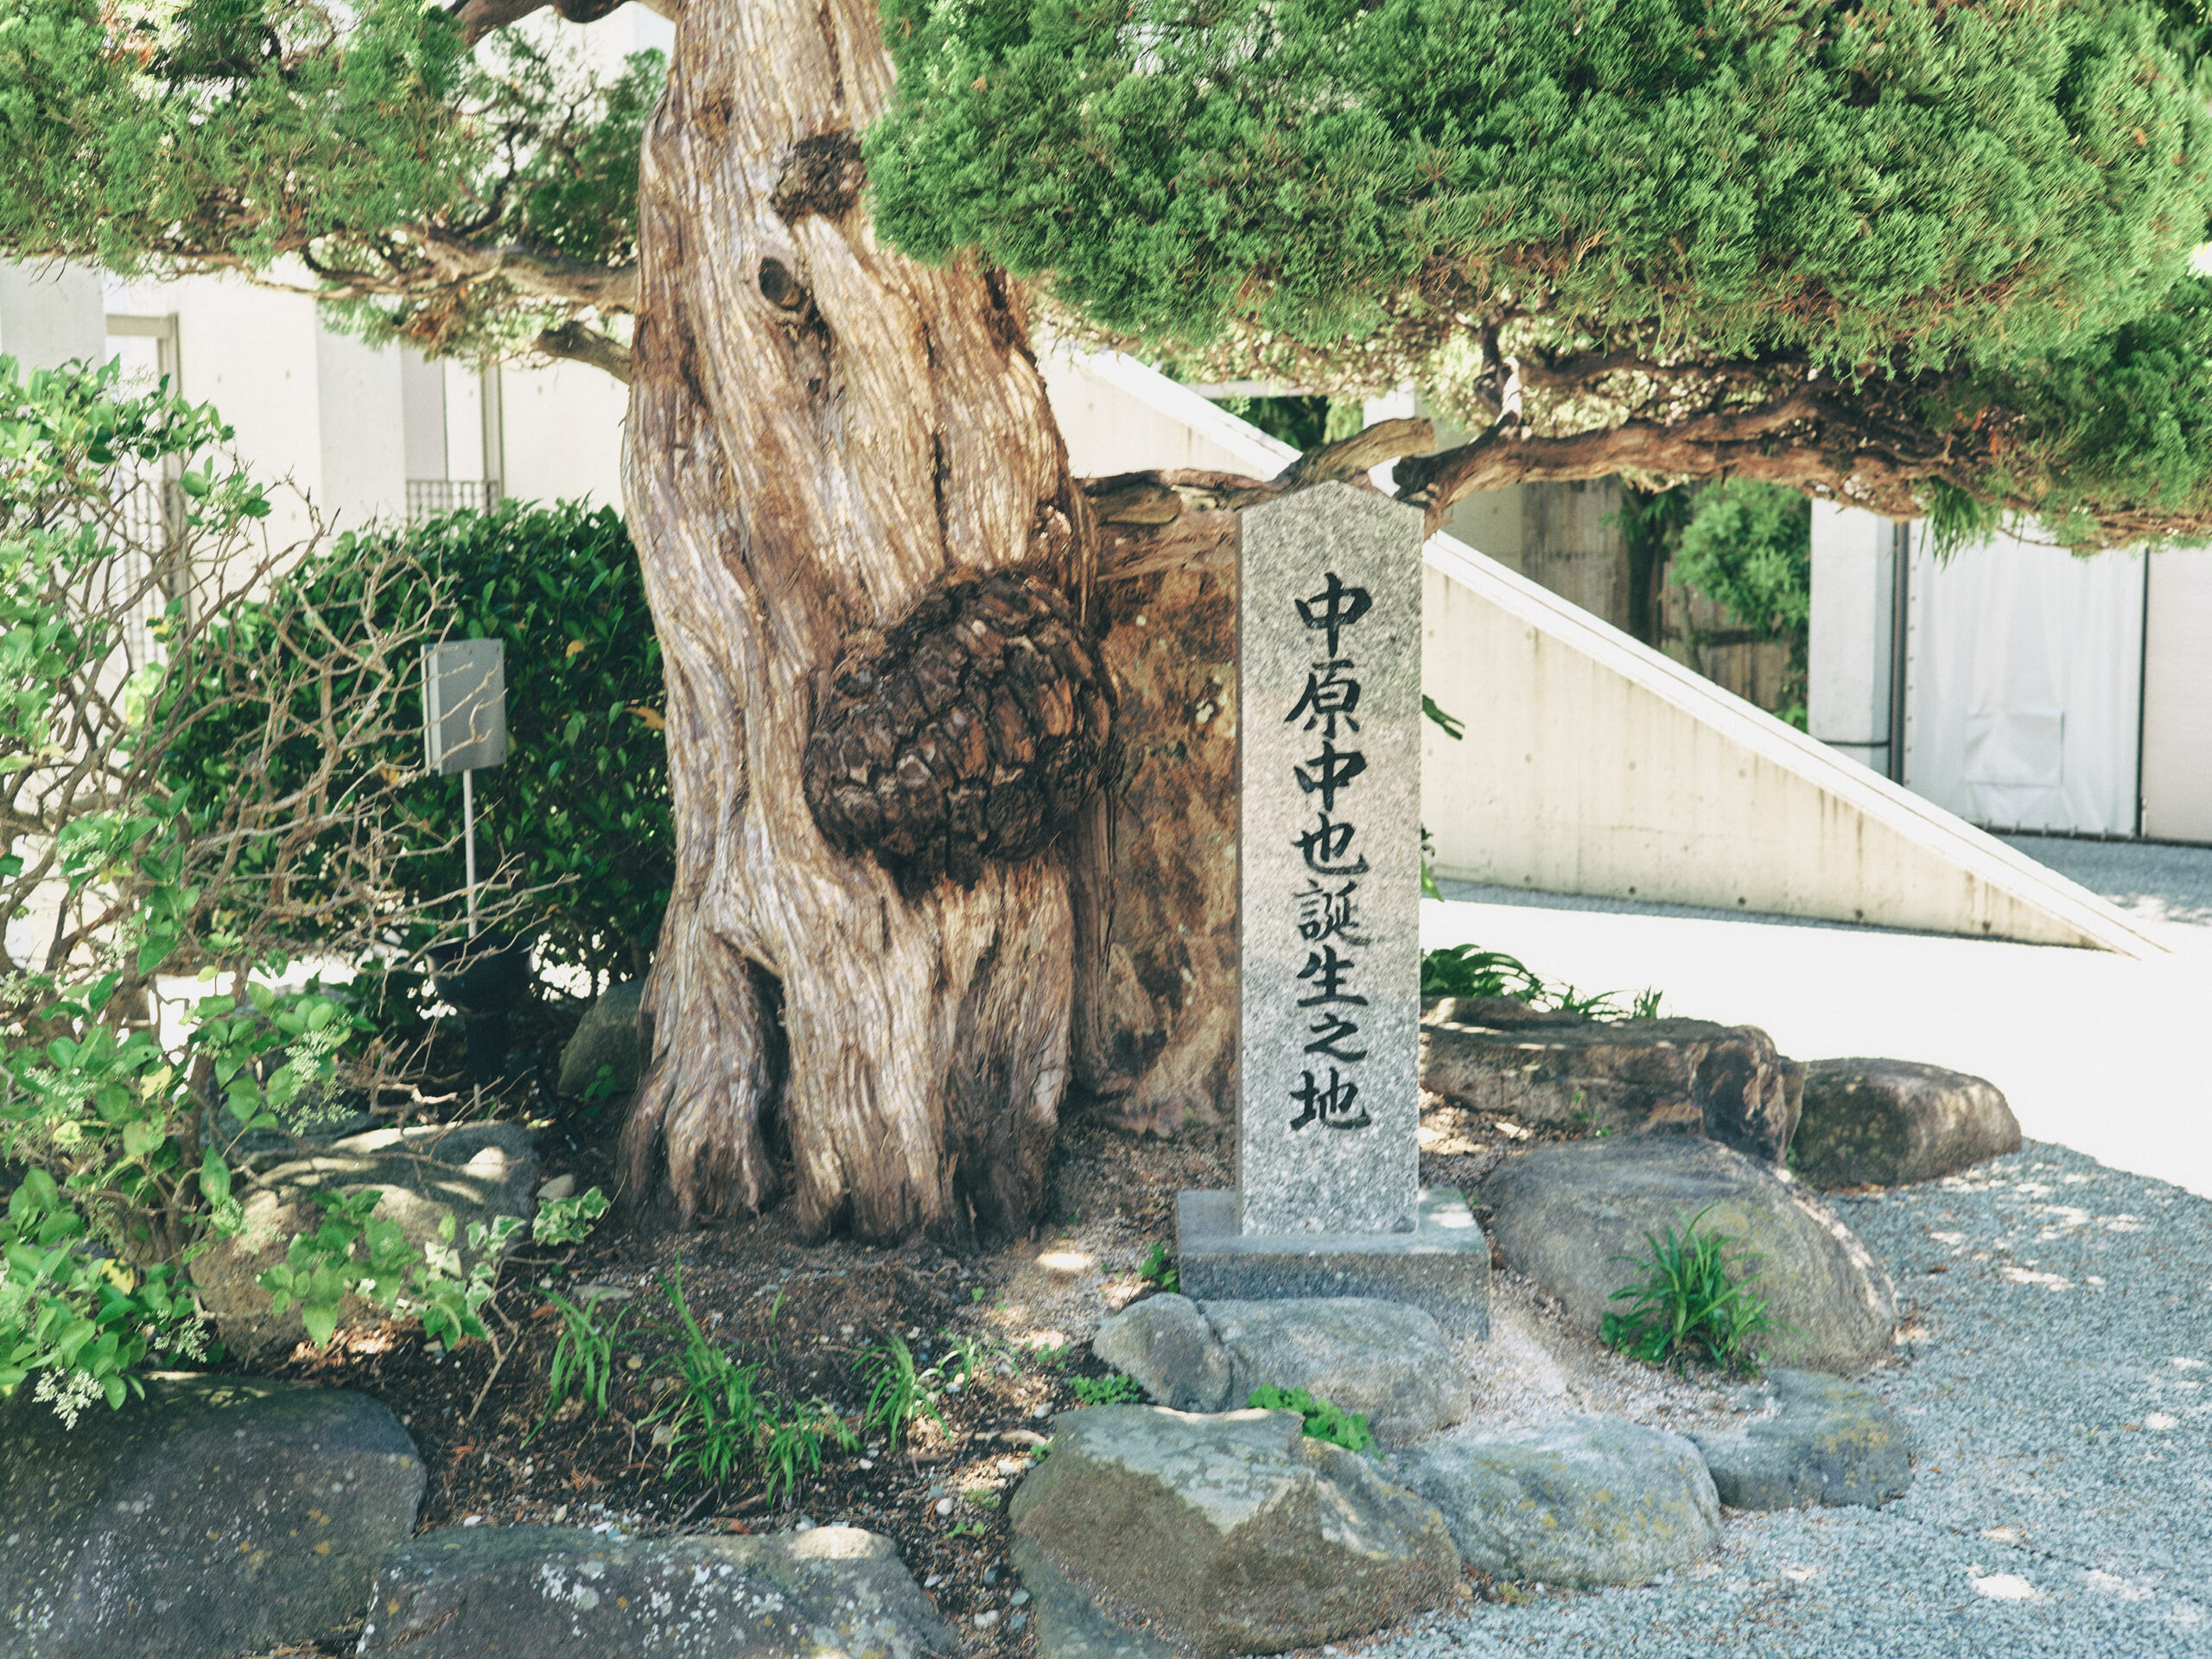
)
(1593, 765)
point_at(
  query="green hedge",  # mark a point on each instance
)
(582, 803)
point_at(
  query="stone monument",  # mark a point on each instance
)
(1328, 1200)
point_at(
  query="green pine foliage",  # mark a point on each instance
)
(1898, 181)
(580, 811)
(364, 141)
(1974, 220)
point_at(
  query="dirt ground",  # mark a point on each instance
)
(1006, 1332)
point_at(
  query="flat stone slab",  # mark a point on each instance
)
(1230, 1533)
(1442, 1267)
(1566, 1215)
(1829, 1441)
(1892, 1123)
(1586, 1501)
(563, 1593)
(1613, 1077)
(471, 1171)
(1386, 1361)
(219, 1516)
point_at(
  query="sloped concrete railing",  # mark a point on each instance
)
(1593, 765)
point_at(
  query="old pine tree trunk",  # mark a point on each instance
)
(822, 433)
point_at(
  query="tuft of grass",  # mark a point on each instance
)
(717, 1417)
(791, 1442)
(583, 1357)
(900, 1393)
(722, 1425)
(1160, 1267)
(1692, 1304)
(1467, 970)
(1113, 1390)
(1322, 1420)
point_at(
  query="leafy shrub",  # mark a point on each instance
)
(1692, 1304)
(83, 1320)
(1322, 1420)
(123, 644)
(1748, 547)
(578, 814)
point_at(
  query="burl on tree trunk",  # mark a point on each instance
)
(891, 661)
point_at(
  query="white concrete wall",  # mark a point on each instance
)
(1594, 765)
(50, 314)
(564, 433)
(362, 460)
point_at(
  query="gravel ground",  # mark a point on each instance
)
(2057, 1369)
(2157, 881)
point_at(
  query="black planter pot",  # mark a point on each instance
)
(484, 978)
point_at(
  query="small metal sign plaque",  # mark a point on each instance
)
(465, 704)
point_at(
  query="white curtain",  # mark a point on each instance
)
(2023, 684)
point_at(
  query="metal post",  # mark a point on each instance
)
(469, 836)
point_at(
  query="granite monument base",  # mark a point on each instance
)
(1442, 1267)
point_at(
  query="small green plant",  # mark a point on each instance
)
(1112, 1389)
(1691, 1304)
(82, 1319)
(568, 1221)
(1593, 1129)
(1322, 1420)
(583, 1357)
(1469, 970)
(899, 1395)
(1646, 1005)
(1160, 1267)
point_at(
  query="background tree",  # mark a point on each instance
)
(1928, 257)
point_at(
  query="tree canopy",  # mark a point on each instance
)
(474, 202)
(1930, 255)
(1923, 255)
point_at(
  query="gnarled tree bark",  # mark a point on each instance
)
(821, 433)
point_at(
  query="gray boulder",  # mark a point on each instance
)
(561, 1592)
(1828, 1441)
(1588, 1501)
(1170, 1348)
(1889, 1122)
(471, 1171)
(1231, 1534)
(217, 1516)
(1565, 1217)
(1615, 1077)
(607, 1036)
(1384, 1360)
